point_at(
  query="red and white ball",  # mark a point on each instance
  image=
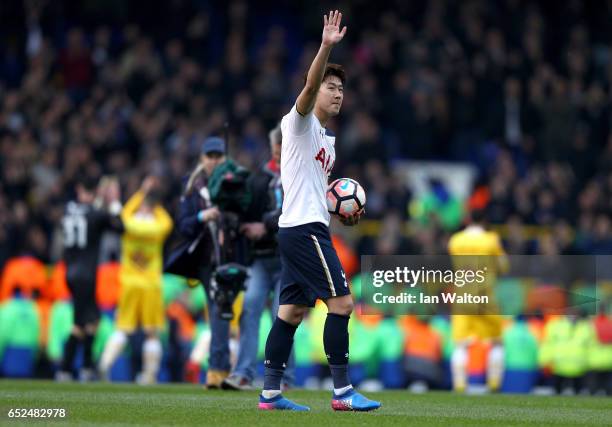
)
(345, 197)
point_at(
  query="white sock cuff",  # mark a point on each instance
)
(459, 356)
(496, 355)
(152, 346)
(118, 338)
(269, 394)
(339, 391)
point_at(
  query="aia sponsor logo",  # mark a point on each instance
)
(325, 159)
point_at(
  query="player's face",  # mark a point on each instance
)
(330, 95)
(211, 160)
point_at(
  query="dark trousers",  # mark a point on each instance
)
(219, 358)
(599, 380)
(561, 383)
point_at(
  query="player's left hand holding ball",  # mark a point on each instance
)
(352, 219)
(347, 199)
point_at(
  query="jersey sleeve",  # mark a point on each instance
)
(498, 248)
(164, 220)
(296, 124)
(503, 264)
(102, 220)
(451, 245)
(132, 205)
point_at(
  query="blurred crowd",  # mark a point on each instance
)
(518, 89)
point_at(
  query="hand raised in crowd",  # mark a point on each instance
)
(109, 192)
(113, 190)
(149, 183)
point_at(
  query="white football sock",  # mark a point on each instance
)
(339, 391)
(200, 348)
(495, 367)
(459, 361)
(269, 394)
(151, 358)
(113, 348)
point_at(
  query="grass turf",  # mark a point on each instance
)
(127, 404)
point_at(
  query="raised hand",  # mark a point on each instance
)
(113, 191)
(331, 28)
(149, 183)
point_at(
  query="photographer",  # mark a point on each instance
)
(260, 227)
(199, 226)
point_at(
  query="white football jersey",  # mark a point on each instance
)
(307, 158)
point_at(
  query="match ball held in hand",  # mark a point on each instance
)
(345, 196)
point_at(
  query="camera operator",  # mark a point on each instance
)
(260, 227)
(199, 226)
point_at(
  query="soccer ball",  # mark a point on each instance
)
(345, 197)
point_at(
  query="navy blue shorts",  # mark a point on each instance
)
(311, 269)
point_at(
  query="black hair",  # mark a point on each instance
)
(87, 182)
(331, 70)
(478, 216)
(153, 197)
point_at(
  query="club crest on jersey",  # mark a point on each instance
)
(325, 161)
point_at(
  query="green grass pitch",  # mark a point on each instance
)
(128, 404)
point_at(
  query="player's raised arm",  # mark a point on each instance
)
(331, 36)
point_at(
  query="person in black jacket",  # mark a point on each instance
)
(198, 225)
(83, 224)
(264, 272)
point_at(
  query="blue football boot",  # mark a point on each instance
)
(280, 403)
(353, 401)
